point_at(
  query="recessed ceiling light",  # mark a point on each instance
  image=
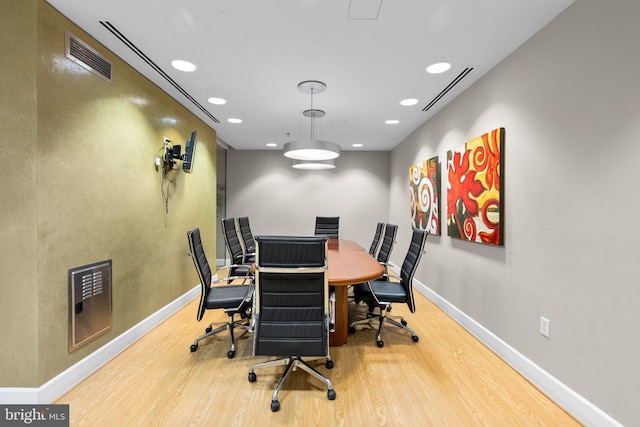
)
(392, 122)
(357, 145)
(217, 101)
(232, 120)
(409, 101)
(271, 144)
(181, 65)
(439, 67)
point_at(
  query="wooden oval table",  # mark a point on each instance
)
(348, 264)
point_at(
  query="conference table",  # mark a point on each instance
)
(348, 264)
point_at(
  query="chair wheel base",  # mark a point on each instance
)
(275, 406)
(331, 394)
(252, 377)
(231, 354)
(329, 364)
(404, 322)
(352, 329)
(415, 338)
(209, 329)
(380, 343)
(193, 347)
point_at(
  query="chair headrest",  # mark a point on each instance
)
(291, 251)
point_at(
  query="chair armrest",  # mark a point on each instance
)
(332, 311)
(229, 266)
(231, 279)
(247, 255)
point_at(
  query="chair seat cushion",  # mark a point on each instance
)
(225, 296)
(388, 291)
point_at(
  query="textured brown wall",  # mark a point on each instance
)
(18, 210)
(90, 192)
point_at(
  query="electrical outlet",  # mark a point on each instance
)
(544, 326)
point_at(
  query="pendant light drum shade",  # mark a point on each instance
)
(313, 164)
(311, 150)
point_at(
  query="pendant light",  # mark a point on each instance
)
(312, 149)
(313, 164)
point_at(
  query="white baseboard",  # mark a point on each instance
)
(68, 379)
(18, 395)
(569, 400)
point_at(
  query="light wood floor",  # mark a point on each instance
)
(447, 378)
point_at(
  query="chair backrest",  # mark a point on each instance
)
(327, 226)
(247, 236)
(376, 239)
(196, 251)
(388, 241)
(231, 240)
(291, 309)
(410, 263)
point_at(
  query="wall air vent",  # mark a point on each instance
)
(87, 57)
(450, 86)
(90, 313)
(113, 30)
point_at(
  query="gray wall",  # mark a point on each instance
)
(570, 102)
(281, 200)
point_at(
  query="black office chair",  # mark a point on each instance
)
(385, 293)
(389, 239)
(233, 299)
(360, 292)
(247, 239)
(373, 249)
(327, 226)
(291, 310)
(239, 265)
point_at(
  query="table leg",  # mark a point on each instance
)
(339, 337)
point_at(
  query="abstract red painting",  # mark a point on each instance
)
(475, 204)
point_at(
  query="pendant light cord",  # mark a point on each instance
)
(313, 118)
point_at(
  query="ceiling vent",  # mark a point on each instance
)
(450, 86)
(113, 30)
(87, 57)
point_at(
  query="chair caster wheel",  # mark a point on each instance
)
(404, 322)
(275, 406)
(252, 377)
(329, 364)
(193, 347)
(380, 343)
(231, 354)
(209, 329)
(331, 395)
(388, 308)
(415, 338)
(352, 329)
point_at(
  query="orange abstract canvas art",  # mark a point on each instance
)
(424, 193)
(475, 202)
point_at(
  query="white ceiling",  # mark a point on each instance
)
(253, 53)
